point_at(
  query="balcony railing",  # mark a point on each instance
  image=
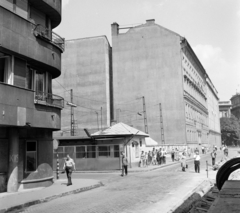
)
(49, 99)
(50, 36)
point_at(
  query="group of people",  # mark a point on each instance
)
(196, 157)
(154, 157)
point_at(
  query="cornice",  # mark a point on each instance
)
(193, 101)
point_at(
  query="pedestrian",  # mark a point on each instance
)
(164, 156)
(183, 161)
(202, 149)
(158, 157)
(146, 159)
(197, 162)
(149, 157)
(124, 164)
(142, 158)
(69, 166)
(213, 155)
(226, 151)
(176, 154)
(173, 155)
(154, 157)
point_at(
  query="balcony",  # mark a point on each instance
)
(44, 33)
(48, 99)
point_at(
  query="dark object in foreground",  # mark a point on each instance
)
(225, 170)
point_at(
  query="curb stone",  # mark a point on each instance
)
(47, 199)
(192, 196)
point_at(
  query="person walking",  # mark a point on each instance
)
(69, 166)
(164, 153)
(197, 162)
(124, 164)
(183, 161)
(142, 159)
(149, 157)
(213, 155)
(146, 159)
(154, 156)
(173, 155)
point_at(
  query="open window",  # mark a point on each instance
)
(6, 68)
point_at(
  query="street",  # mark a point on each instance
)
(137, 192)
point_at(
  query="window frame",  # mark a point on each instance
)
(36, 162)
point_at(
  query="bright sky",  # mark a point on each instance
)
(212, 27)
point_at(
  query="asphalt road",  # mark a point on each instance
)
(137, 192)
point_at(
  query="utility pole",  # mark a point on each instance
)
(161, 124)
(72, 114)
(145, 116)
(72, 105)
(97, 120)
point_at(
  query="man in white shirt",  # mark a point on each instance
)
(197, 162)
(69, 166)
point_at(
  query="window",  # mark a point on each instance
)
(80, 152)
(91, 151)
(104, 151)
(116, 151)
(69, 150)
(20, 72)
(19, 7)
(136, 150)
(5, 68)
(31, 156)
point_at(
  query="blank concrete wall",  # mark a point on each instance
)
(147, 62)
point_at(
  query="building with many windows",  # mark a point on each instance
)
(153, 62)
(214, 135)
(150, 79)
(30, 57)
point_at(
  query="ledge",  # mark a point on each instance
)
(36, 180)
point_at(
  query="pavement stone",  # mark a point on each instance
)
(16, 201)
(120, 194)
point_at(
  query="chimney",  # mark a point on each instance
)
(115, 29)
(150, 21)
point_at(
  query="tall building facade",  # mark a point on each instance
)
(86, 70)
(30, 57)
(153, 62)
(214, 135)
(150, 79)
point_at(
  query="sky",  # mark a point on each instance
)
(212, 27)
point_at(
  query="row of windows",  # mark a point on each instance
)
(15, 71)
(195, 136)
(191, 72)
(188, 87)
(195, 115)
(88, 151)
(192, 135)
(26, 11)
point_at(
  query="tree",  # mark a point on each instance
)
(230, 129)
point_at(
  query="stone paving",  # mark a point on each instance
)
(151, 191)
(132, 193)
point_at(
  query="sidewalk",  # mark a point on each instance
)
(20, 200)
